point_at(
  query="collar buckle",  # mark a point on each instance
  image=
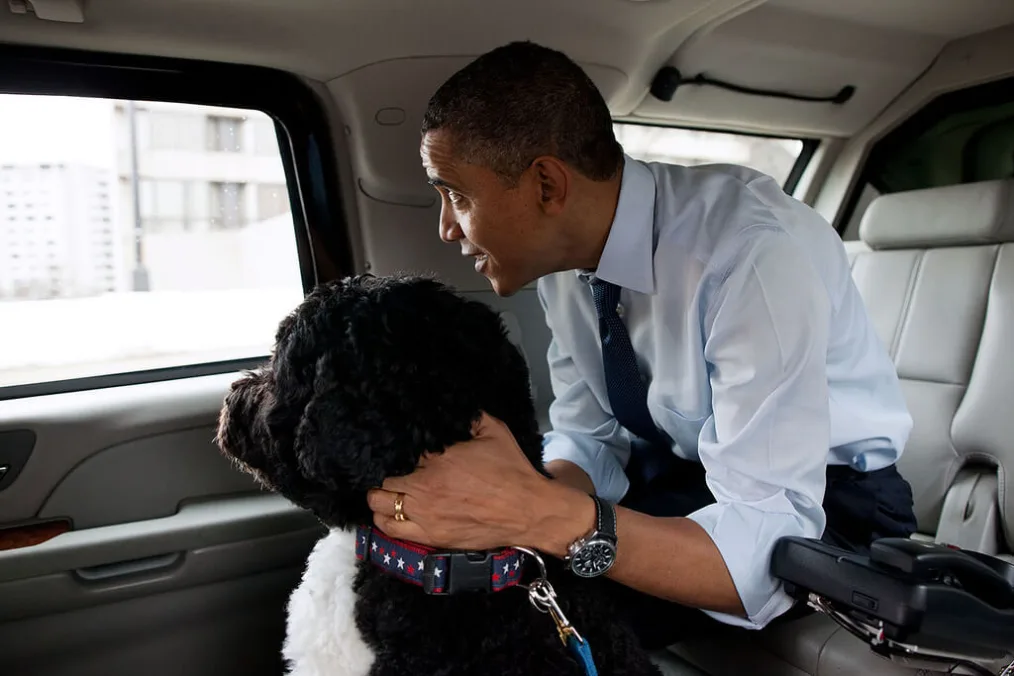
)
(465, 572)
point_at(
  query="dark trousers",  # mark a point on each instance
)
(861, 507)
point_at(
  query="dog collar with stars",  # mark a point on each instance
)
(439, 572)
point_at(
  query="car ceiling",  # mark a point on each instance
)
(805, 46)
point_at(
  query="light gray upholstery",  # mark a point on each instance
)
(973, 213)
(936, 270)
(928, 307)
(984, 425)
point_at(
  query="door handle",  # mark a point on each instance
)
(119, 569)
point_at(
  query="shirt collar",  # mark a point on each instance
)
(628, 257)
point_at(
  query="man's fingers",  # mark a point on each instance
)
(400, 530)
(397, 484)
(381, 501)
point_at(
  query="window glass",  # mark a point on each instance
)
(228, 205)
(272, 200)
(225, 134)
(265, 142)
(672, 145)
(144, 235)
(965, 146)
(965, 136)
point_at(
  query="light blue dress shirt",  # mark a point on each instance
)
(762, 360)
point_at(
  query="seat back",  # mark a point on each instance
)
(937, 276)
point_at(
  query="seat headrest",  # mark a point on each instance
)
(956, 215)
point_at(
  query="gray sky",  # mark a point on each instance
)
(40, 129)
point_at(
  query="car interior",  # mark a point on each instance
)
(174, 176)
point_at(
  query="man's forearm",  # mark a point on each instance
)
(671, 558)
(674, 559)
(572, 475)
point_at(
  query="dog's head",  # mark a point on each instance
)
(368, 374)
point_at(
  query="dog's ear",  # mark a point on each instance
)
(346, 451)
(242, 433)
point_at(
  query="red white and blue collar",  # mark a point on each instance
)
(440, 572)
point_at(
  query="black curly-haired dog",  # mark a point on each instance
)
(367, 375)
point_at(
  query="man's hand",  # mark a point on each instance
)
(482, 494)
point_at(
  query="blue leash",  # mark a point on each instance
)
(581, 651)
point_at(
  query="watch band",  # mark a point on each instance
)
(605, 518)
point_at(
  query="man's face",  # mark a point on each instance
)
(497, 225)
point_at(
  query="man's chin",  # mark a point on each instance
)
(502, 287)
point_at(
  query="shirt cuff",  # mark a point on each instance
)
(746, 535)
(596, 459)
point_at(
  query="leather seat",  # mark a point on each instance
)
(937, 273)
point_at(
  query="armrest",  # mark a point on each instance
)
(919, 594)
(196, 525)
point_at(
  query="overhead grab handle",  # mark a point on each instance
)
(669, 79)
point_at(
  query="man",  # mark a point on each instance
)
(715, 373)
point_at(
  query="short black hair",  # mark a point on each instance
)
(520, 101)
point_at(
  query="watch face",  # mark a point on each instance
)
(594, 558)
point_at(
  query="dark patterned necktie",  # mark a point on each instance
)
(627, 390)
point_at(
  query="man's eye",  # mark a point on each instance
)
(454, 197)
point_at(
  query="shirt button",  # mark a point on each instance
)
(619, 310)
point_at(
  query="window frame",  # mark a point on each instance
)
(305, 143)
(948, 103)
(810, 145)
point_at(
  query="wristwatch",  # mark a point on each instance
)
(595, 553)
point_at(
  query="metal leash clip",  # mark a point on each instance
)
(542, 595)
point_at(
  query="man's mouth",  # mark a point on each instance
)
(479, 257)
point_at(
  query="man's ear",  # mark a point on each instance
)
(553, 181)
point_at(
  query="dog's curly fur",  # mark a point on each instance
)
(367, 375)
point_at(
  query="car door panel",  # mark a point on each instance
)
(164, 534)
(233, 626)
(170, 424)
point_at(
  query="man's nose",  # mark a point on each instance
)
(450, 231)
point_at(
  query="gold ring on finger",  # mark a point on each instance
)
(399, 507)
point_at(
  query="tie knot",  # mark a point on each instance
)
(606, 296)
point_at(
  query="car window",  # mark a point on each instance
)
(775, 157)
(964, 146)
(964, 136)
(138, 235)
